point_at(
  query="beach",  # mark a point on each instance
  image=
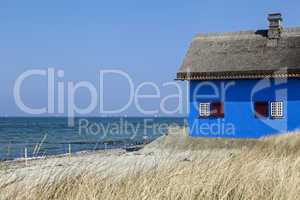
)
(172, 167)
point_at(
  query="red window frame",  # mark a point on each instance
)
(217, 109)
(261, 109)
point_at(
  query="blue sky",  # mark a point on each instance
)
(147, 39)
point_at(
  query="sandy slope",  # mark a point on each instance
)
(113, 163)
(172, 167)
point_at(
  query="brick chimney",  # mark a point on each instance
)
(275, 26)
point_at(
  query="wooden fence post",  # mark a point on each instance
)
(70, 150)
(25, 155)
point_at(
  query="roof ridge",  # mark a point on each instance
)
(243, 34)
(229, 33)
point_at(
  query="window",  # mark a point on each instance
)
(217, 109)
(277, 109)
(261, 109)
(204, 109)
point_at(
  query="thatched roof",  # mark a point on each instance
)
(242, 55)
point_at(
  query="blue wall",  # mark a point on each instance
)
(239, 97)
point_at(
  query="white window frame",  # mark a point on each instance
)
(204, 109)
(277, 109)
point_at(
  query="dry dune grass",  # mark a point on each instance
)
(215, 169)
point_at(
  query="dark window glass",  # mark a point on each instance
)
(261, 109)
(217, 109)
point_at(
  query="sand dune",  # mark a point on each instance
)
(172, 167)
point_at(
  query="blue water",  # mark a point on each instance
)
(51, 136)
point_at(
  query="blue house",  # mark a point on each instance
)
(244, 84)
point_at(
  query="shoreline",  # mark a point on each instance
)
(21, 161)
(129, 148)
(17, 159)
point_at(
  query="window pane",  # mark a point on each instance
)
(217, 109)
(204, 109)
(277, 109)
(261, 109)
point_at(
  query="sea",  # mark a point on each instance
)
(45, 136)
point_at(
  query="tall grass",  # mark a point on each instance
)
(217, 169)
